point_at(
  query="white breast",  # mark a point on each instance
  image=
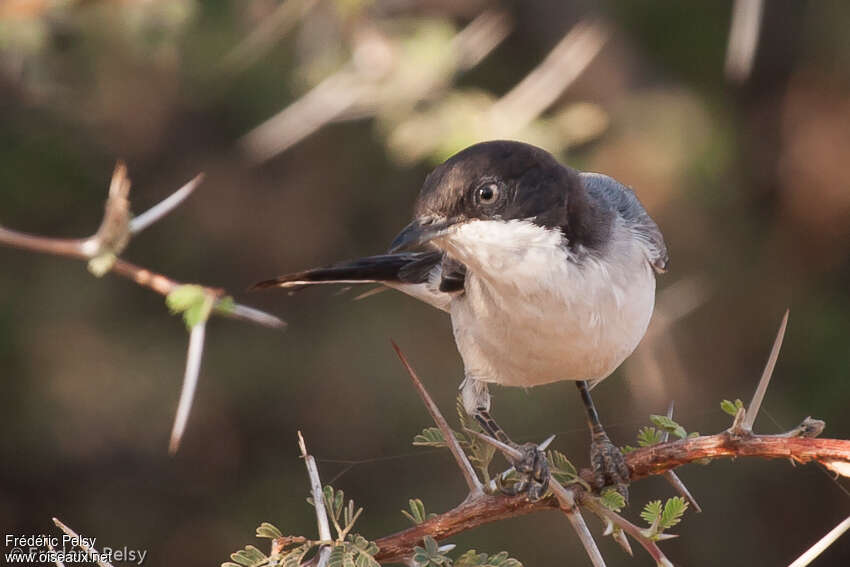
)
(530, 315)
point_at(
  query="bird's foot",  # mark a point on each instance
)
(532, 471)
(609, 465)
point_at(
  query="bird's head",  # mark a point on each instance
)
(498, 182)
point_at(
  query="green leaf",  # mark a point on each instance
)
(561, 467)
(183, 297)
(294, 557)
(626, 449)
(431, 546)
(649, 435)
(364, 545)
(193, 301)
(249, 557)
(430, 437)
(612, 500)
(338, 557)
(474, 559)
(417, 513)
(429, 555)
(674, 509)
(731, 407)
(668, 424)
(651, 512)
(480, 454)
(269, 531)
(338, 503)
(471, 559)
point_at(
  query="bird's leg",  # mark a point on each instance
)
(532, 465)
(609, 465)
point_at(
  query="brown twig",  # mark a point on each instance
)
(643, 462)
(472, 481)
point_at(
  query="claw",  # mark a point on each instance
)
(535, 470)
(609, 465)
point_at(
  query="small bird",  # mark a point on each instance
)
(548, 274)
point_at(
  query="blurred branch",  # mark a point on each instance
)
(268, 32)
(545, 84)
(743, 39)
(365, 85)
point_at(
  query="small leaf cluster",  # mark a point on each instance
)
(196, 303)
(732, 407)
(473, 559)
(192, 301)
(430, 556)
(661, 518)
(339, 511)
(347, 550)
(612, 500)
(248, 557)
(356, 552)
(562, 469)
(480, 454)
(654, 434)
(417, 513)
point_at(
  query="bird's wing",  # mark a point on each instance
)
(630, 209)
(419, 274)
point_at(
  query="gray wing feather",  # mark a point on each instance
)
(626, 204)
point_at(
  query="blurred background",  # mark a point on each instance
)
(316, 122)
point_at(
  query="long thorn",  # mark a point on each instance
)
(239, 311)
(90, 551)
(52, 550)
(823, 543)
(755, 403)
(463, 463)
(190, 382)
(318, 501)
(144, 220)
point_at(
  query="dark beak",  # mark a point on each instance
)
(420, 232)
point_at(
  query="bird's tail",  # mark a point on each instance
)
(386, 268)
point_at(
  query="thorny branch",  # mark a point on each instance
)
(102, 251)
(799, 445)
(644, 462)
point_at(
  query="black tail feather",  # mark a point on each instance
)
(404, 268)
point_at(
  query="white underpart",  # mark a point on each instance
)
(531, 314)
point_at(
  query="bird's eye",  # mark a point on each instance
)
(487, 194)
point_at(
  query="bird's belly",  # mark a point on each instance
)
(550, 334)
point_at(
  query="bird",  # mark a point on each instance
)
(548, 274)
